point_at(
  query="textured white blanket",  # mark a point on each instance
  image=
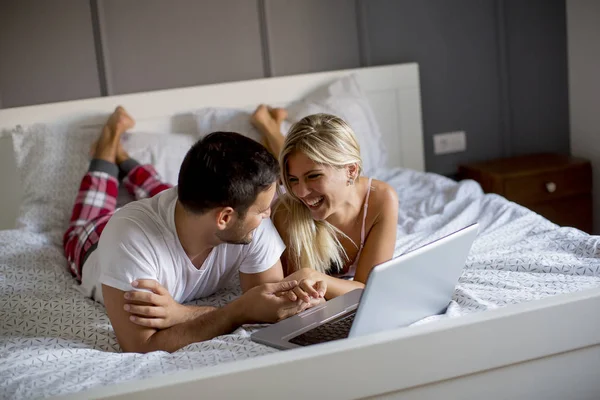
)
(53, 341)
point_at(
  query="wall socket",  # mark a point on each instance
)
(450, 142)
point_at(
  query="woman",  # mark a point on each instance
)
(336, 224)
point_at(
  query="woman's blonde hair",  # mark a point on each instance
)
(327, 140)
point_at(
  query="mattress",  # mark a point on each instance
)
(54, 341)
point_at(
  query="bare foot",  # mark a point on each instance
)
(264, 121)
(109, 141)
(278, 114)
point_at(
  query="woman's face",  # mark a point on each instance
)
(321, 188)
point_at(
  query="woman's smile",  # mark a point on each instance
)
(314, 202)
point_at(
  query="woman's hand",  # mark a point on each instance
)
(309, 290)
(311, 285)
(155, 309)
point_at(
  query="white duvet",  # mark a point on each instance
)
(53, 341)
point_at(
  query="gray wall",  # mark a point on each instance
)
(583, 25)
(496, 69)
(46, 52)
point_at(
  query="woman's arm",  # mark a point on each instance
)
(381, 239)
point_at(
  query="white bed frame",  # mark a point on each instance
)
(542, 349)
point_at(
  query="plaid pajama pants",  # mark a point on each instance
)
(96, 202)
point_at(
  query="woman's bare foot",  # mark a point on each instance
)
(268, 121)
(107, 146)
(279, 115)
(264, 120)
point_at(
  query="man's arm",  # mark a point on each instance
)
(273, 274)
(156, 308)
(264, 251)
(139, 339)
(260, 304)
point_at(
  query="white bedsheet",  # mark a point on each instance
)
(53, 341)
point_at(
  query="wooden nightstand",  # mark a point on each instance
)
(556, 186)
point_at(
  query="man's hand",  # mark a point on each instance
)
(265, 303)
(155, 309)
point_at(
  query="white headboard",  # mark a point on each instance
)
(393, 91)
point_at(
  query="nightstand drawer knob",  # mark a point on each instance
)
(551, 187)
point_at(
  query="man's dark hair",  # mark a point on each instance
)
(225, 169)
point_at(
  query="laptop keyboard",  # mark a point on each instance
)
(332, 330)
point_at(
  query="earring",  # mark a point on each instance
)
(350, 182)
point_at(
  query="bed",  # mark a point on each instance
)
(523, 322)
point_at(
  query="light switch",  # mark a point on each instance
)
(450, 142)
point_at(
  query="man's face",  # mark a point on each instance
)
(242, 230)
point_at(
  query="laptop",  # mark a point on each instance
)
(399, 292)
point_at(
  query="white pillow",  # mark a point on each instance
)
(164, 151)
(345, 99)
(51, 161)
(213, 119)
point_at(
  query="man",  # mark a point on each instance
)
(183, 243)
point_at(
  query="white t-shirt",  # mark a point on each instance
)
(140, 242)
